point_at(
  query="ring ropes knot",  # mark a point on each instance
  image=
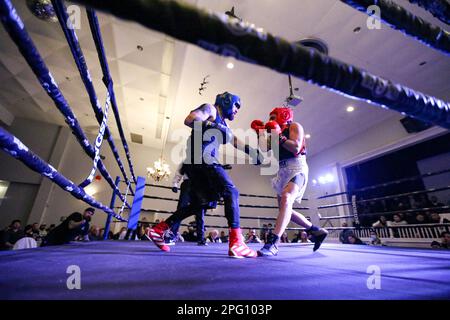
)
(124, 202)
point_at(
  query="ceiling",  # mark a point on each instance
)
(157, 86)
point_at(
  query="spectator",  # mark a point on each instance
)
(420, 219)
(121, 234)
(75, 225)
(10, 236)
(284, 238)
(374, 240)
(252, 237)
(52, 226)
(397, 221)
(223, 237)
(35, 227)
(343, 235)
(380, 223)
(445, 241)
(42, 231)
(28, 231)
(304, 237)
(352, 239)
(213, 237)
(191, 234)
(436, 218)
(94, 234)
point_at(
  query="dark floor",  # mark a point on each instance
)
(138, 270)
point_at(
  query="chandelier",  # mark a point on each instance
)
(159, 171)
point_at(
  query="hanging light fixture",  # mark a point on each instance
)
(160, 170)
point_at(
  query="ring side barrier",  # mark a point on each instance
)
(431, 190)
(15, 148)
(18, 33)
(108, 81)
(386, 184)
(400, 19)
(230, 37)
(83, 69)
(440, 9)
(412, 231)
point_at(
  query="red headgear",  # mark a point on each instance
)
(283, 115)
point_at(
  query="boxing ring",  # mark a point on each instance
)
(189, 271)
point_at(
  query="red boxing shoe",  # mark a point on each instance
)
(238, 248)
(156, 234)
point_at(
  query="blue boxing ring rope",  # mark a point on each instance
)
(13, 146)
(80, 61)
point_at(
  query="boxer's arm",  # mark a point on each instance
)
(294, 143)
(203, 113)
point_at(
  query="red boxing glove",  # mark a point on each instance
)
(273, 126)
(257, 125)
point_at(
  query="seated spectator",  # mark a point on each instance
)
(445, 241)
(343, 235)
(284, 238)
(397, 220)
(223, 237)
(352, 239)
(304, 237)
(42, 231)
(380, 223)
(213, 237)
(374, 240)
(94, 234)
(52, 226)
(436, 218)
(252, 237)
(35, 227)
(28, 231)
(121, 234)
(191, 234)
(73, 226)
(420, 219)
(11, 235)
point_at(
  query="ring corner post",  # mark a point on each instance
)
(109, 218)
(136, 207)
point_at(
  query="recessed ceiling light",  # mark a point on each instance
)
(140, 48)
(357, 29)
(350, 109)
(307, 136)
(167, 118)
(142, 99)
(422, 63)
(230, 65)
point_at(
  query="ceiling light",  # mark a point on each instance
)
(140, 48)
(230, 65)
(307, 136)
(350, 109)
(422, 63)
(357, 29)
